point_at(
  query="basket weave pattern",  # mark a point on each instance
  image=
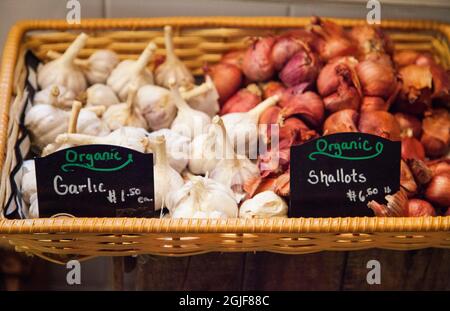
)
(197, 40)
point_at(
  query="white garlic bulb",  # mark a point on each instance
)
(63, 71)
(188, 122)
(56, 95)
(45, 122)
(172, 68)
(129, 137)
(166, 178)
(125, 114)
(101, 95)
(202, 197)
(233, 170)
(130, 71)
(177, 147)
(204, 97)
(28, 189)
(157, 106)
(244, 125)
(99, 66)
(264, 205)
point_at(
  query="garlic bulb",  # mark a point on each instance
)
(264, 205)
(188, 122)
(203, 152)
(157, 106)
(45, 122)
(63, 71)
(244, 125)
(129, 71)
(202, 197)
(101, 95)
(99, 66)
(56, 95)
(177, 147)
(166, 178)
(233, 170)
(129, 137)
(204, 98)
(125, 114)
(28, 189)
(172, 68)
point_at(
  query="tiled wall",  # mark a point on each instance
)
(13, 10)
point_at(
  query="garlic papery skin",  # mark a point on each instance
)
(28, 189)
(63, 71)
(166, 178)
(265, 204)
(242, 127)
(125, 114)
(203, 97)
(157, 106)
(177, 147)
(202, 197)
(188, 122)
(101, 95)
(55, 95)
(130, 71)
(172, 68)
(128, 137)
(99, 66)
(233, 170)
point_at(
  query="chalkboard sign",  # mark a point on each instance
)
(95, 181)
(337, 175)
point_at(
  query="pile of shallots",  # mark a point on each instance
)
(308, 82)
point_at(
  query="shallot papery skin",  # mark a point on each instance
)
(409, 122)
(419, 208)
(341, 121)
(301, 67)
(235, 58)
(371, 39)
(308, 106)
(258, 65)
(441, 83)
(332, 40)
(407, 181)
(380, 123)
(436, 132)
(397, 205)
(242, 101)
(377, 79)
(439, 166)
(272, 88)
(412, 149)
(374, 104)
(226, 78)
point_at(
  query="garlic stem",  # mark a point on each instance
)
(132, 91)
(144, 58)
(76, 107)
(226, 143)
(168, 41)
(72, 51)
(261, 107)
(196, 91)
(76, 139)
(178, 99)
(158, 145)
(79, 62)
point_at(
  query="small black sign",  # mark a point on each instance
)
(95, 181)
(337, 175)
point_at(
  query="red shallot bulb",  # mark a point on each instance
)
(258, 65)
(303, 66)
(439, 166)
(407, 181)
(409, 57)
(412, 149)
(284, 48)
(409, 122)
(397, 205)
(419, 208)
(376, 78)
(341, 121)
(380, 123)
(436, 132)
(374, 104)
(308, 106)
(371, 39)
(244, 100)
(226, 78)
(438, 190)
(441, 83)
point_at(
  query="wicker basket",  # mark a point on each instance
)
(203, 39)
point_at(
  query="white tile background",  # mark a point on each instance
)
(97, 273)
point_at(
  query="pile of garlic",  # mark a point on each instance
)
(102, 100)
